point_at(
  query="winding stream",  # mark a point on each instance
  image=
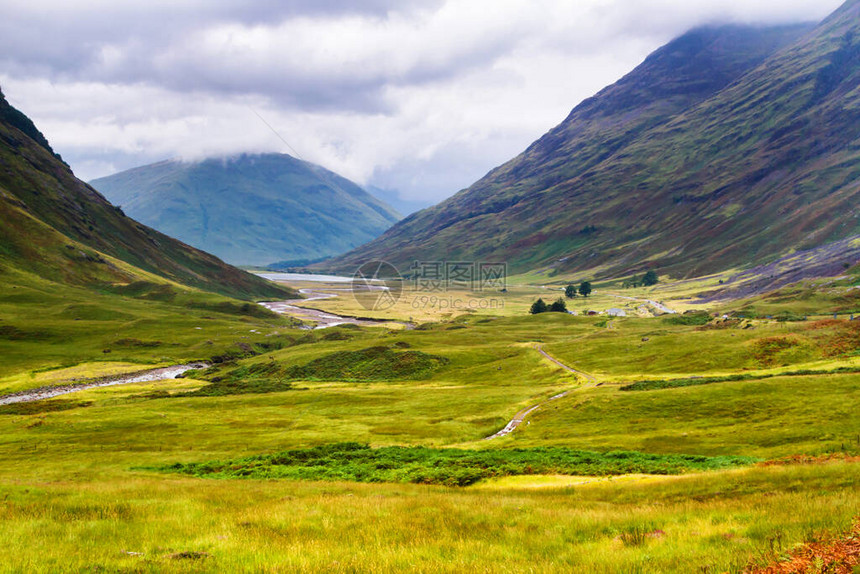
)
(323, 319)
(139, 377)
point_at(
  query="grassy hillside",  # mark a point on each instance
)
(251, 209)
(727, 147)
(60, 227)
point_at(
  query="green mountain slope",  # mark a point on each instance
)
(251, 209)
(727, 147)
(61, 229)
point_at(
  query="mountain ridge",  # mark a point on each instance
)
(670, 174)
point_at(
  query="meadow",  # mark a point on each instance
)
(90, 481)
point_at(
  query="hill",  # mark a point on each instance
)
(60, 229)
(251, 209)
(728, 147)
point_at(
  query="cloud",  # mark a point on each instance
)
(423, 96)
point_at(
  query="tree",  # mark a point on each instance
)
(559, 306)
(538, 307)
(650, 279)
(570, 291)
(585, 289)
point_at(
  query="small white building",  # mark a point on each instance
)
(616, 312)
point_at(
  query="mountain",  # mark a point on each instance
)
(728, 147)
(58, 229)
(251, 209)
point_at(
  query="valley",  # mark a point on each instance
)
(634, 348)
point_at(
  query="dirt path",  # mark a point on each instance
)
(139, 377)
(582, 374)
(521, 416)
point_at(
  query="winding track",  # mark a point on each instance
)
(521, 416)
(583, 374)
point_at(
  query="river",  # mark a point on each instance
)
(140, 377)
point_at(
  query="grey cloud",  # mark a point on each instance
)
(171, 45)
(149, 80)
(127, 45)
(448, 170)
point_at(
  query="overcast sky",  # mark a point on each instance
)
(422, 96)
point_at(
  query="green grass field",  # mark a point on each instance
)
(83, 487)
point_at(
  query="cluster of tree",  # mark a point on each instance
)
(540, 306)
(584, 289)
(560, 306)
(649, 279)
